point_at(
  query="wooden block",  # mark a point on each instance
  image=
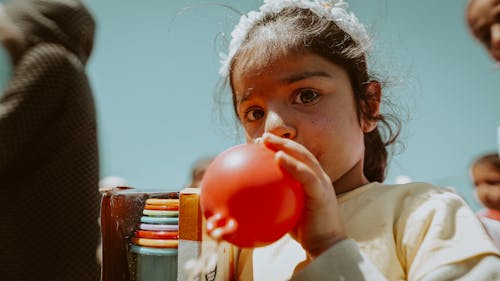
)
(193, 240)
(190, 216)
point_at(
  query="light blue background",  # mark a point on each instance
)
(154, 73)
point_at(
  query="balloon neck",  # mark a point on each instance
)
(219, 226)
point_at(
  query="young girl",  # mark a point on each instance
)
(300, 84)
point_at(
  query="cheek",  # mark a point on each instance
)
(495, 192)
(487, 192)
(250, 132)
(481, 192)
(315, 136)
(346, 129)
(323, 135)
(250, 138)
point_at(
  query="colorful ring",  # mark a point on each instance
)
(160, 213)
(157, 234)
(161, 207)
(159, 227)
(153, 251)
(164, 202)
(156, 243)
(160, 220)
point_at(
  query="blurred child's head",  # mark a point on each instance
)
(198, 170)
(483, 17)
(485, 173)
(296, 40)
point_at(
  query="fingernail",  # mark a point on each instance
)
(258, 140)
(269, 137)
(279, 154)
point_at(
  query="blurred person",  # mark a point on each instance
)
(110, 182)
(483, 18)
(485, 174)
(49, 168)
(198, 170)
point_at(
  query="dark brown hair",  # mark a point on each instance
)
(296, 30)
(491, 159)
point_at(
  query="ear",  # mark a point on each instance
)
(370, 106)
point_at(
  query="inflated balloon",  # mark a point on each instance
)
(248, 199)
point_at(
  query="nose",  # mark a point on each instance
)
(277, 125)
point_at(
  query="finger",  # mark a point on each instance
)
(292, 148)
(313, 183)
(258, 140)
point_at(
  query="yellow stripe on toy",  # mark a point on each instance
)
(164, 202)
(157, 243)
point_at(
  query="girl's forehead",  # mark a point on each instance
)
(260, 56)
(287, 68)
(268, 44)
(256, 61)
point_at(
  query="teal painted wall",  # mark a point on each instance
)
(154, 72)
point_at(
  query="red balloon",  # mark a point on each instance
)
(248, 199)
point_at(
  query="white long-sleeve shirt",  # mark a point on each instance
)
(402, 232)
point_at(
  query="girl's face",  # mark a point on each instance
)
(306, 98)
(483, 17)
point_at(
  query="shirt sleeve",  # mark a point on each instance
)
(479, 269)
(438, 236)
(438, 232)
(343, 261)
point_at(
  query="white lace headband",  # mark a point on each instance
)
(333, 10)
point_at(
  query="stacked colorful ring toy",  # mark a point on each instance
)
(157, 239)
(159, 226)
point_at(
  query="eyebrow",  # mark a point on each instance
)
(288, 80)
(246, 96)
(304, 75)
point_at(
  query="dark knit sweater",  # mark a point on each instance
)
(49, 199)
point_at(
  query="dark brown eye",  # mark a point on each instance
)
(305, 96)
(254, 114)
(492, 182)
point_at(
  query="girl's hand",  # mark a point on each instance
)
(321, 225)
